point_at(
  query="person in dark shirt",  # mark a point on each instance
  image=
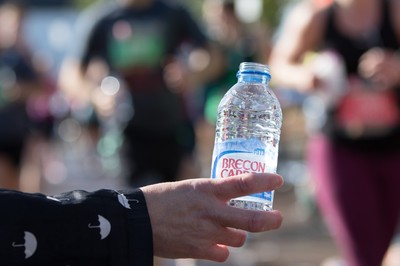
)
(345, 56)
(147, 45)
(185, 219)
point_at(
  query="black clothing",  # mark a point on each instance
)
(137, 44)
(351, 49)
(77, 228)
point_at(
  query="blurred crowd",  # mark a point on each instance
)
(125, 92)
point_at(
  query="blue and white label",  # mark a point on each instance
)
(239, 156)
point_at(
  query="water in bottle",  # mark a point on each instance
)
(247, 133)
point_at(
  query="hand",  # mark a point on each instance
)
(191, 218)
(380, 66)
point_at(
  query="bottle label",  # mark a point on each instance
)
(240, 156)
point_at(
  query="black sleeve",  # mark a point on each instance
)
(77, 228)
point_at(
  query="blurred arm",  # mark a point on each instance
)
(301, 33)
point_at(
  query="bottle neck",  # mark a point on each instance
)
(250, 72)
(253, 78)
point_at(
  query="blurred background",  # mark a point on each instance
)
(65, 149)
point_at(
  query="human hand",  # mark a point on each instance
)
(381, 67)
(191, 218)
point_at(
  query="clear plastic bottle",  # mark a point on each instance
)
(248, 132)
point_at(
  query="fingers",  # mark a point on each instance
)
(251, 221)
(231, 237)
(236, 186)
(248, 220)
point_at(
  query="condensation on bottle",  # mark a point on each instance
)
(247, 132)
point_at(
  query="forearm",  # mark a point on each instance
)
(78, 228)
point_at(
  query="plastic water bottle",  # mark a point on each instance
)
(247, 133)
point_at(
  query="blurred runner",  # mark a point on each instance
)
(156, 51)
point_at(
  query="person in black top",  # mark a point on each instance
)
(150, 46)
(345, 56)
(185, 219)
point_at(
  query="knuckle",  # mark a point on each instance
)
(243, 186)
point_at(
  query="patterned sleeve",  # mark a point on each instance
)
(77, 228)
